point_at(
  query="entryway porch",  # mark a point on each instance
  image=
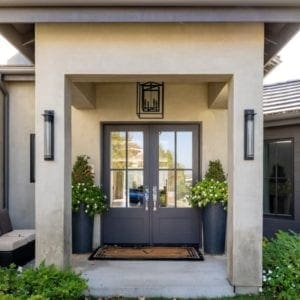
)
(171, 279)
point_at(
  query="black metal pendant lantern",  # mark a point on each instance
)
(150, 100)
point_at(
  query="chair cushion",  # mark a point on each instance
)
(10, 243)
(5, 223)
(28, 234)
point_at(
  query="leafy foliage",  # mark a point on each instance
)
(44, 282)
(281, 264)
(91, 196)
(212, 189)
(82, 171)
(208, 191)
(215, 171)
(84, 192)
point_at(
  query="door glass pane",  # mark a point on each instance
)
(135, 146)
(135, 188)
(166, 149)
(167, 188)
(118, 149)
(117, 189)
(184, 149)
(184, 182)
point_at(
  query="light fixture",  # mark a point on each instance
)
(48, 135)
(249, 134)
(150, 100)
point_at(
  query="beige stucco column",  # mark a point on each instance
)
(53, 178)
(244, 234)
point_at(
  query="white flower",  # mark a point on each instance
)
(86, 211)
(270, 272)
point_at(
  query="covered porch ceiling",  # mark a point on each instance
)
(83, 87)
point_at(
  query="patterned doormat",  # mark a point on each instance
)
(146, 253)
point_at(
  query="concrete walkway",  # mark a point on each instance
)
(182, 279)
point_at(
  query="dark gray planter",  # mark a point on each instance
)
(82, 231)
(214, 228)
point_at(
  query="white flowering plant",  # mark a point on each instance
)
(92, 197)
(281, 266)
(208, 191)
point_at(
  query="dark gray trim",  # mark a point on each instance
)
(149, 14)
(5, 144)
(32, 158)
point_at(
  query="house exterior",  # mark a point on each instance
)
(281, 168)
(88, 58)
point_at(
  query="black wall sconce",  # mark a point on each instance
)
(48, 135)
(150, 100)
(32, 157)
(249, 134)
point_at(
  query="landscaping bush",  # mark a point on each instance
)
(281, 266)
(44, 282)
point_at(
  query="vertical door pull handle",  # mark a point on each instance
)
(146, 198)
(154, 195)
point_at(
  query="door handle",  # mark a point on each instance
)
(146, 197)
(154, 195)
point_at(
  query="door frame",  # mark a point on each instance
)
(145, 123)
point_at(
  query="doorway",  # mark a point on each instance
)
(147, 172)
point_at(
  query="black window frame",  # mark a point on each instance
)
(281, 216)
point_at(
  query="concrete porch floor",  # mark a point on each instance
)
(173, 279)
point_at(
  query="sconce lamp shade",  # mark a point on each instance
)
(48, 135)
(249, 134)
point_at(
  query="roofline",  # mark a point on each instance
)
(17, 70)
(148, 14)
(86, 3)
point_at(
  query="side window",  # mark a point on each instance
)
(279, 177)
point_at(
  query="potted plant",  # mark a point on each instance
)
(211, 193)
(88, 200)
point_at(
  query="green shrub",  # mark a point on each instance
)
(215, 171)
(212, 189)
(84, 192)
(281, 265)
(44, 282)
(208, 191)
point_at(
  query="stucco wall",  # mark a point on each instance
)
(1, 149)
(21, 124)
(153, 49)
(117, 102)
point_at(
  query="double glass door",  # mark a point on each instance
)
(147, 173)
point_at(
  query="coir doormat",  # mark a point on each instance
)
(146, 253)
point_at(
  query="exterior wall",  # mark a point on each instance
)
(117, 103)
(273, 224)
(1, 150)
(235, 50)
(21, 124)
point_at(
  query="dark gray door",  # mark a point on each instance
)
(147, 171)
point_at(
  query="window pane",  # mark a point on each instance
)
(167, 188)
(270, 201)
(278, 183)
(284, 197)
(166, 149)
(135, 188)
(135, 146)
(184, 182)
(118, 150)
(271, 159)
(184, 150)
(117, 189)
(284, 159)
